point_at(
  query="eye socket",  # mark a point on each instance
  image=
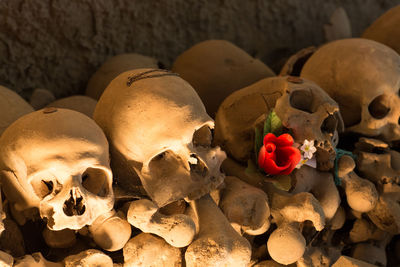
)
(203, 137)
(379, 107)
(95, 181)
(42, 187)
(160, 156)
(329, 125)
(302, 100)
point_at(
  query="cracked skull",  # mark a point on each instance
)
(303, 107)
(157, 126)
(363, 76)
(57, 160)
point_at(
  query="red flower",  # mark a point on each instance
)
(278, 156)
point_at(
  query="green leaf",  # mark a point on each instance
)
(258, 141)
(251, 168)
(272, 124)
(283, 182)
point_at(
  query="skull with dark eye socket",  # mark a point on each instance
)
(310, 114)
(187, 173)
(303, 107)
(171, 151)
(365, 84)
(62, 171)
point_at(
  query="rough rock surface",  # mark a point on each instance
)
(58, 45)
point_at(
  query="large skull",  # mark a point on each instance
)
(157, 124)
(303, 107)
(57, 160)
(363, 76)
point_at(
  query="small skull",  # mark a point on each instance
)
(311, 114)
(303, 107)
(363, 76)
(56, 160)
(157, 123)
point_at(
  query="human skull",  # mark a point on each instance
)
(159, 126)
(57, 160)
(302, 106)
(311, 114)
(363, 76)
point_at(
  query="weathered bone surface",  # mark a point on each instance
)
(368, 94)
(295, 63)
(11, 239)
(271, 263)
(114, 66)
(90, 257)
(338, 219)
(111, 231)
(386, 214)
(157, 123)
(35, 260)
(56, 161)
(6, 259)
(364, 230)
(288, 211)
(345, 261)
(246, 206)
(379, 164)
(385, 29)
(321, 185)
(12, 106)
(303, 107)
(371, 253)
(40, 98)
(361, 194)
(217, 68)
(81, 103)
(371, 242)
(339, 26)
(177, 230)
(217, 243)
(2, 215)
(147, 250)
(289, 235)
(284, 206)
(59, 239)
(314, 257)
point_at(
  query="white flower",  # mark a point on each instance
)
(301, 162)
(308, 149)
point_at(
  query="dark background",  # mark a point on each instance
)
(58, 44)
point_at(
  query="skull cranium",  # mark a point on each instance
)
(303, 107)
(57, 161)
(157, 123)
(363, 76)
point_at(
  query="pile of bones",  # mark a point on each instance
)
(153, 167)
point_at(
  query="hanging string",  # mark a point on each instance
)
(142, 75)
(340, 153)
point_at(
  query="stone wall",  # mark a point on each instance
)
(58, 44)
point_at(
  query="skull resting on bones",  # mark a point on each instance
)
(157, 124)
(363, 76)
(57, 161)
(303, 107)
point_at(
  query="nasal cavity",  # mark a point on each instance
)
(74, 205)
(197, 166)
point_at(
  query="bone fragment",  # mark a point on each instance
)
(217, 243)
(110, 231)
(147, 250)
(177, 230)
